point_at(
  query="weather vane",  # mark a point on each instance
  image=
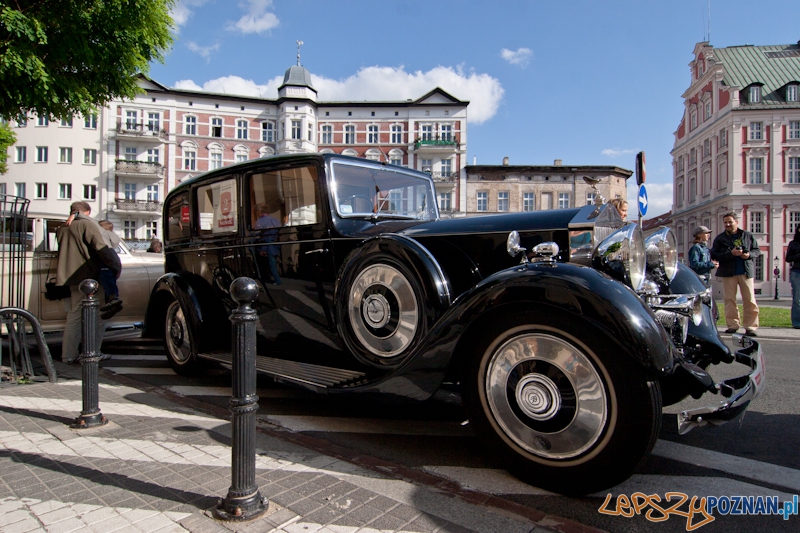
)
(299, 44)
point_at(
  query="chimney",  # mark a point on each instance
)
(557, 163)
(505, 161)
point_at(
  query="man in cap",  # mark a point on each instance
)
(699, 255)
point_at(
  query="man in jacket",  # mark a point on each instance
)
(82, 252)
(736, 250)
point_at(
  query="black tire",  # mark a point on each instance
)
(179, 340)
(552, 399)
(381, 310)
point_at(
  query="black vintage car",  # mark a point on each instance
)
(565, 330)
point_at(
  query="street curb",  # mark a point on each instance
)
(386, 468)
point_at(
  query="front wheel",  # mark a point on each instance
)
(565, 412)
(178, 338)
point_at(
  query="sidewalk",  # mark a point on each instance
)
(161, 464)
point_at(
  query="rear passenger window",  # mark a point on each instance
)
(288, 196)
(217, 208)
(178, 218)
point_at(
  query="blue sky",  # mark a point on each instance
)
(588, 82)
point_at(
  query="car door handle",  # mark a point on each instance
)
(317, 251)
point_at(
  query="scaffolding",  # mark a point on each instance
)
(16, 240)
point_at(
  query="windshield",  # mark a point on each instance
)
(365, 191)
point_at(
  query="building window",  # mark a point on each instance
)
(706, 182)
(756, 223)
(679, 194)
(190, 125)
(130, 153)
(445, 199)
(89, 156)
(151, 229)
(21, 154)
(129, 229)
(794, 129)
(267, 132)
(502, 201)
(297, 130)
(756, 131)
(152, 193)
(65, 155)
(563, 200)
(756, 175)
(241, 157)
(372, 134)
(483, 201)
(153, 122)
(692, 189)
(65, 191)
(3, 189)
(791, 93)
(189, 160)
(527, 201)
(427, 132)
(708, 111)
(723, 138)
(215, 161)
(216, 127)
(66, 122)
(794, 221)
(310, 132)
(694, 119)
(41, 191)
(241, 129)
(755, 94)
(130, 191)
(41, 154)
(426, 165)
(680, 163)
(692, 157)
(131, 118)
(794, 170)
(89, 192)
(22, 121)
(43, 121)
(722, 175)
(20, 190)
(152, 155)
(350, 134)
(447, 132)
(447, 168)
(759, 270)
(327, 134)
(706, 148)
(590, 196)
(90, 122)
(397, 134)
(397, 161)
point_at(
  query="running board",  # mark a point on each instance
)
(306, 374)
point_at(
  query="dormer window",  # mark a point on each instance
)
(791, 93)
(754, 97)
(699, 69)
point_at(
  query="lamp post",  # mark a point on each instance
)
(777, 273)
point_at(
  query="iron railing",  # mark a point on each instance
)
(123, 166)
(148, 206)
(133, 129)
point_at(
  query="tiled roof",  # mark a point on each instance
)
(774, 66)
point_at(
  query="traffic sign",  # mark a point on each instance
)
(642, 200)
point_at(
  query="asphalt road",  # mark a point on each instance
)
(755, 456)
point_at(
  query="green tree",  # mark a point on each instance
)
(59, 58)
(7, 138)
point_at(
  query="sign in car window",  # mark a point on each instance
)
(217, 208)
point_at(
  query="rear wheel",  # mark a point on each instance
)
(178, 338)
(565, 412)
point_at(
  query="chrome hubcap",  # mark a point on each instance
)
(178, 341)
(376, 310)
(538, 397)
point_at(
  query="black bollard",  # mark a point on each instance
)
(90, 357)
(243, 502)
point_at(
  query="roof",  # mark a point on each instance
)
(772, 66)
(297, 76)
(656, 222)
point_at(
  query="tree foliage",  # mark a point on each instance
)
(7, 138)
(59, 58)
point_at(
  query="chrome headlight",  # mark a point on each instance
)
(662, 252)
(622, 256)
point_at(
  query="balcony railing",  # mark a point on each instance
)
(436, 142)
(143, 206)
(444, 177)
(124, 166)
(130, 129)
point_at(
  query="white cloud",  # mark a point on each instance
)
(202, 51)
(182, 11)
(616, 152)
(521, 56)
(659, 199)
(379, 83)
(257, 18)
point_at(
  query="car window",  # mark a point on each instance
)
(178, 218)
(217, 208)
(288, 196)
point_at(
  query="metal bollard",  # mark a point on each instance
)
(90, 415)
(243, 502)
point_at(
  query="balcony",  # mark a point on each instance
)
(436, 143)
(123, 205)
(143, 169)
(142, 132)
(444, 177)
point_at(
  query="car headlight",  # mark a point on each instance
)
(662, 252)
(622, 256)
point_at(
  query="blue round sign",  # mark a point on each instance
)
(642, 200)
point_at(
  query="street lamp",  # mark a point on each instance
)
(777, 273)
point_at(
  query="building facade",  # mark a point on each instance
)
(124, 160)
(737, 148)
(516, 188)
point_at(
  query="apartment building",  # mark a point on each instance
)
(737, 148)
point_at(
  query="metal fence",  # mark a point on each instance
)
(16, 238)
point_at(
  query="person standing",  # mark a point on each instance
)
(793, 257)
(736, 249)
(700, 256)
(82, 252)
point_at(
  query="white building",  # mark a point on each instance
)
(125, 160)
(737, 148)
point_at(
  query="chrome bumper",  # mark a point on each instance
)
(739, 392)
